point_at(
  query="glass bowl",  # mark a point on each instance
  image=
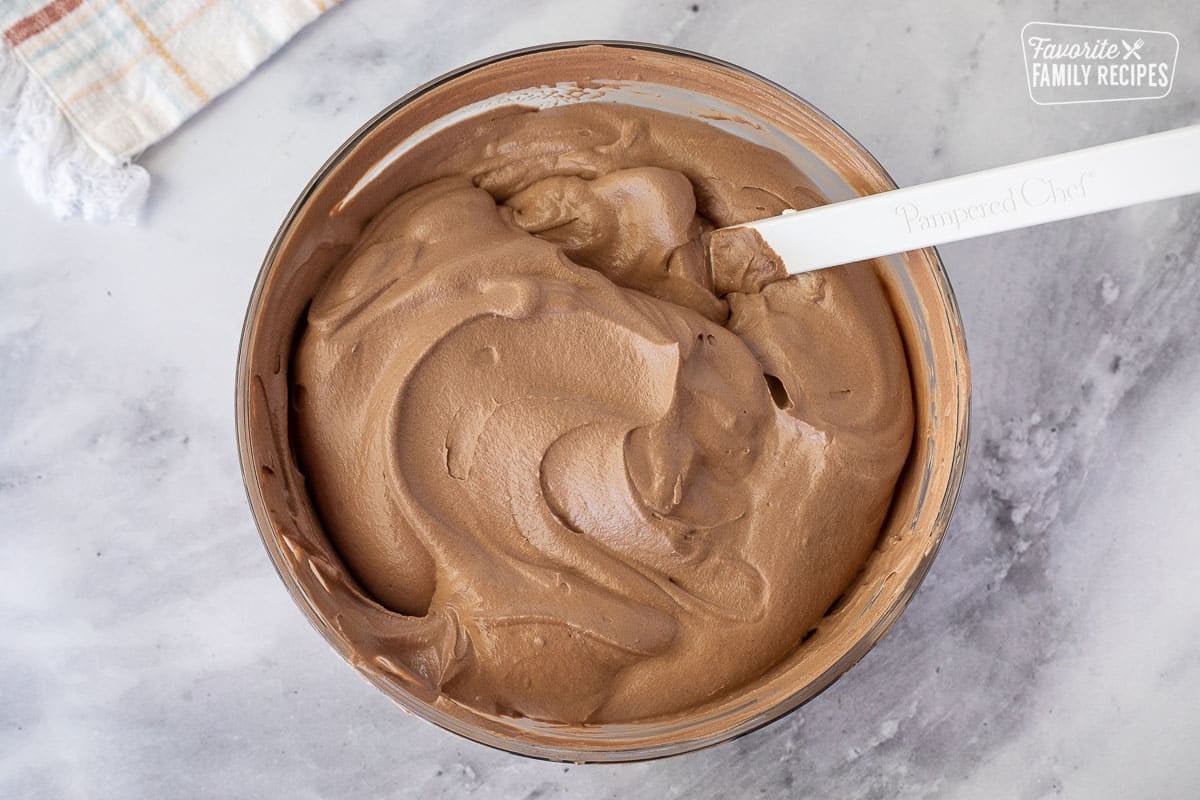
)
(362, 176)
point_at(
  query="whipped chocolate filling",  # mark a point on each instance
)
(589, 478)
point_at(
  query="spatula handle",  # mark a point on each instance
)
(1021, 195)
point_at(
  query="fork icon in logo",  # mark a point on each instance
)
(1132, 49)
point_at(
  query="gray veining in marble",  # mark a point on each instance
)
(148, 649)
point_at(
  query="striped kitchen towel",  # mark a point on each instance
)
(87, 85)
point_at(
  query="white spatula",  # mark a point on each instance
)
(1021, 195)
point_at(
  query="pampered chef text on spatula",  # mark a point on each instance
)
(1022, 195)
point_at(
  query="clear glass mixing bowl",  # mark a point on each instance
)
(341, 197)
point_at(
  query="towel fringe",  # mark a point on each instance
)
(59, 169)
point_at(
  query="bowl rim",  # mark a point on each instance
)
(556, 752)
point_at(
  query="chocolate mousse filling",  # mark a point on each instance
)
(586, 475)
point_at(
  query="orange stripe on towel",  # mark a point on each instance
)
(119, 73)
(163, 53)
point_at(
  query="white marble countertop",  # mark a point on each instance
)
(149, 650)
